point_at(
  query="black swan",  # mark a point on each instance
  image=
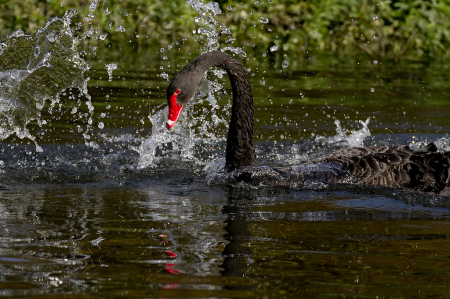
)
(423, 170)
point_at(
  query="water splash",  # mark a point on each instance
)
(35, 68)
(207, 12)
(163, 143)
(353, 138)
(188, 135)
(110, 68)
(93, 5)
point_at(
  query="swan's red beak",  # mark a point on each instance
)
(174, 111)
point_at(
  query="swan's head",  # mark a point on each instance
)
(180, 91)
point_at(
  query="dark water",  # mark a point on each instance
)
(128, 212)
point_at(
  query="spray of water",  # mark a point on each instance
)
(353, 138)
(35, 68)
(182, 141)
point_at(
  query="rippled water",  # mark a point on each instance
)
(89, 219)
(115, 205)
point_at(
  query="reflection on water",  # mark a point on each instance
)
(190, 240)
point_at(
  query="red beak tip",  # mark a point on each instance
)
(170, 124)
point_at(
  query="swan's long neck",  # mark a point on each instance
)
(240, 151)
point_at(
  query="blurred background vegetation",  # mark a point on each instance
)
(408, 29)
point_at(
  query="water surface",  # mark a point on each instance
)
(117, 206)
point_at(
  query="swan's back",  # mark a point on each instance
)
(424, 170)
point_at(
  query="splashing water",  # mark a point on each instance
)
(183, 141)
(352, 138)
(35, 68)
(110, 68)
(209, 32)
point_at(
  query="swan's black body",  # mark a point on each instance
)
(424, 170)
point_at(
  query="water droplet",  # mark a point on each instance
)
(372, 89)
(229, 7)
(375, 62)
(273, 48)
(120, 28)
(285, 64)
(264, 20)
(165, 76)
(110, 68)
(101, 125)
(37, 51)
(52, 36)
(375, 18)
(93, 5)
(373, 36)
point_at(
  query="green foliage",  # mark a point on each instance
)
(409, 29)
(392, 29)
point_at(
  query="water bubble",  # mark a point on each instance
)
(102, 115)
(373, 36)
(256, 2)
(169, 47)
(285, 64)
(161, 50)
(229, 7)
(101, 125)
(375, 62)
(264, 20)
(372, 89)
(273, 48)
(103, 36)
(375, 18)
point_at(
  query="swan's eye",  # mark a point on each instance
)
(178, 91)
